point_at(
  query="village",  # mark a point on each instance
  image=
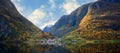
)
(50, 41)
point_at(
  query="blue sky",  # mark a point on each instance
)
(47, 12)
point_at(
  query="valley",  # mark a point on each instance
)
(92, 28)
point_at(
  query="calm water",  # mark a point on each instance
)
(71, 48)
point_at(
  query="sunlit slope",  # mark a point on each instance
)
(101, 22)
(68, 23)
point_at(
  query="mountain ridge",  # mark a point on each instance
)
(67, 23)
(101, 22)
(13, 26)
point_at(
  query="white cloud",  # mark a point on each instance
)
(41, 18)
(36, 16)
(47, 23)
(16, 0)
(52, 3)
(70, 5)
(47, 20)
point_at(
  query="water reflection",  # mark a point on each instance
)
(72, 48)
(95, 48)
(30, 48)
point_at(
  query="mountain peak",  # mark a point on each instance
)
(47, 28)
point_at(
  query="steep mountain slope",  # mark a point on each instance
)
(101, 22)
(67, 23)
(113, 1)
(47, 28)
(14, 26)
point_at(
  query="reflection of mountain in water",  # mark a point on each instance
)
(95, 48)
(24, 48)
(76, 48)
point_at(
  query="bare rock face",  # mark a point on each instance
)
(14, 26)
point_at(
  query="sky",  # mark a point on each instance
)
(46, 12)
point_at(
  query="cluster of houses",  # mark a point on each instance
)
(50, 41)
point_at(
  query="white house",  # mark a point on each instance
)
(51, 41)
(43, 41)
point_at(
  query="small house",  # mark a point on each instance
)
(43, 41)
(51, 41)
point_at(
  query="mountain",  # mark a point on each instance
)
(47, 28)
(13, 26)
(68, 23)
(113, 1)
(102, 22)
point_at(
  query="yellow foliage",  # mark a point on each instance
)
(13, 26)
(7, 16)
